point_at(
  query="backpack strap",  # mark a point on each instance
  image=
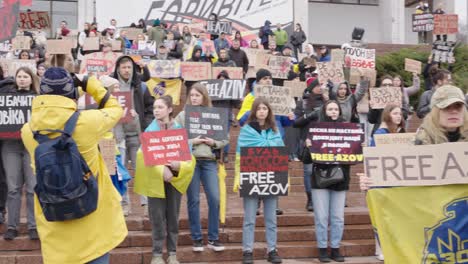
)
(68, 130)
(71, 124)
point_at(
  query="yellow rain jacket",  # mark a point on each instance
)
(81, 240)
(246, 105)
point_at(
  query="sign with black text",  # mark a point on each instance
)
(264, 171)
(15, 111)
(279, 97)
(442, 51)
(207, 122)
(423, 22)
(219, 89)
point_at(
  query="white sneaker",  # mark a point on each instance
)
(126, 210)
(380, 257)
(157, 260)
(172, 259)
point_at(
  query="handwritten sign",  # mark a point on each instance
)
(36, 20)
(233, 72)
(116, 45)
(132, 33)
(22, 43)
(217, 27)
(297, 88)
(225, 89)
(445, 24)
(356, 73)
(11, 66)
(442, 51)
(359, 58)
(91, 44)
(107, 148)
(252, 54)
(279, 66)
(337, 56)
(195, 71)
(164, 68)
(394, 139)
(208, 47)
(279, 97)
(394, 165)
(263, 171)
(330, 71)
(336, 143)
(413, 66)
(162, 147)
(423, 22)
(15, 111)
(382, 96)
(59, 46)
(262, 61)
(210, 122)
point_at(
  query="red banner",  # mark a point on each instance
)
(162, 147)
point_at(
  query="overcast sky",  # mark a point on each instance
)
(461, 5)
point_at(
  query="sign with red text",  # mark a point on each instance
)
(34, 20)
(207, 122)
(263, 171)
(195, 71)
(233, 72)
(162, 147)
(445, 24)
(330, 71)
(359, 58)
(279, 66)
(336, 142)
(380, 97)
(125, 100)
(96, 60)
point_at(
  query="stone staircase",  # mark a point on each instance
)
(296, 230)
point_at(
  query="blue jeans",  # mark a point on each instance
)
(104, 259)
(269, 213)
(308, 169)
(329, 207)
(206, 172)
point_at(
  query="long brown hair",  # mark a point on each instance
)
(387, 118)
(436, 133)
(402, 83)
(34, 80)
(269, 121)
(200, 88)
(167, 100)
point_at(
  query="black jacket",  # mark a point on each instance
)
(240, 58)
(297, 38)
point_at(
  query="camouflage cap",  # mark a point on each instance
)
(447, 95)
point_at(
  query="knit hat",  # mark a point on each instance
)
(312, 82)
(58, 81)
(108, 81)
(263, 73)
(446, 95)
(157, 23)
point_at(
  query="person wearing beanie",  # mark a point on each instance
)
(97, 233)
(157, 33)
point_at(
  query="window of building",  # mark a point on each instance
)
(348, 2)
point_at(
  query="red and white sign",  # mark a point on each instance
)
(360, 58)
(34, 20)
(445, 24)
(162, 147)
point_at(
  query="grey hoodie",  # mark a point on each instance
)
(349, 102)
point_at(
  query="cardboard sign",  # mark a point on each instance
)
(279, 66)
(208, 47)
(394, 139)
(217, 27)
(195, 71)
(209, 122)
(382, 96)
(337, 56)
(425, 165)
(336, 143)
(164, 68)
(196, 27)
(264, 171)
(356, 73)
(59, 46)
(162, 147)
(132, 33)
(9, 14)
(107, 148)
(125, 100)
(21, 43)
(95, 59)
(297, 88)
(252, 54)
(359, 58)
(233, 72)
(445, 24)
(34, 20)
(159, 87)
(219, 89)
(5, 47)
(15, 111)
(147, 48)
(261, 61)
(413, 66)
(116, 45)
(11, 66)
(330, 71)
(279, 97)
(91, 44)
(442, 51)
(423, 22)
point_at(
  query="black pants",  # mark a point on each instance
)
(3, 187)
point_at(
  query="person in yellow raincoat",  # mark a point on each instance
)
(88, 239)
(164, 186)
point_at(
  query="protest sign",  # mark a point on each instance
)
(297, 88)
(196, 28)
(217, 27)
(125, 100)
(164, 68)
(34, 20)
(95, 61)
(251, 73)
(73, 39)
(159, 87)
(5, 47)
(380, 97)
(208, 47)
(330, 71)
(195, 71)
(116, 45)
(262, 61)
(394, 139)
(279, 97)
(15, 111)
(279, 66)
(91, 44)
(423, 22)
(395, 165)
(252, 54)
(442, 51)
(107, 148)
(96, 67)
(445, 24)
(359, 58)
(21, 43)
(207, 122)
(263, 171)
(147, 48)
(413, 66)
(162, 147)
(11, 66)
(337, 56)
(9, 14)
(132, 33)
(336, 143)
(233, 72)
(312, 62)
(301, 56)
(225, 89)
(356, 73)
(59, 46)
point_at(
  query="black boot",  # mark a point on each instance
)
(335, 255)
(323, 255)
(310, 204)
